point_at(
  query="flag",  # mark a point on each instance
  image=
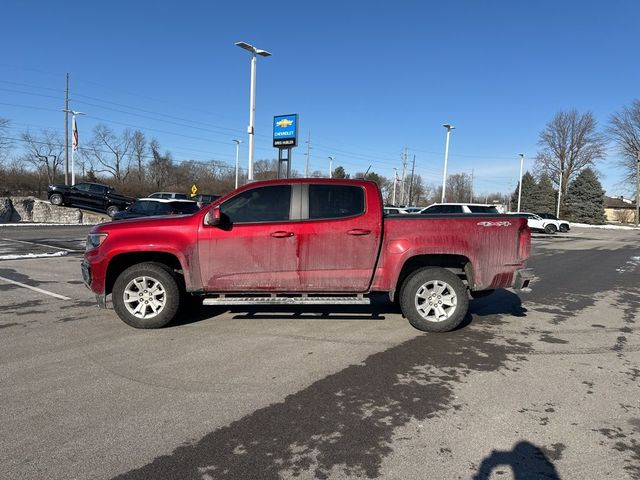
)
(74, 129)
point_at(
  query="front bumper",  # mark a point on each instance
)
(522, 279)
(87, 277)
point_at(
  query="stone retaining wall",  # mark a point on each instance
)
(31, 209)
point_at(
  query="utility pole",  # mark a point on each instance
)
(404, 173)
(395, 182)
(413, 168)
(471, 193)
(331, 159)
(66, 133)
(446, 159)
(306, 167)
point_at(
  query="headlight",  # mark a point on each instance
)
(94, 240)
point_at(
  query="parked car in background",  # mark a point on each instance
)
(413, 209)
(563, 225)
(539, 224)
(149, 207)
(204, 199)
(393, 210)
(93, 196)
(447, 208)
(176, 195)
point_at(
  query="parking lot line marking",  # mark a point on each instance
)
(38, 244)
(35, 289)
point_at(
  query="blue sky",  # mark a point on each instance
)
(367, 78)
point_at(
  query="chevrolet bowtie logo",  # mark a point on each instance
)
(284, 123)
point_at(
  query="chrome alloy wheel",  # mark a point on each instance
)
(144, 297)
(436, 301)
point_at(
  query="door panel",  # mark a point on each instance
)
(338, 252)
(257, 248)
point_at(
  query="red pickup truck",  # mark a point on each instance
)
(305, 241)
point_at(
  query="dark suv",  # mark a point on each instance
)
(147, 207)
(94, 196)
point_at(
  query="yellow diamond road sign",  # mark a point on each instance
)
(194, 190)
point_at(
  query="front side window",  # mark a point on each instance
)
(262, 204)
(335, 201)
(83, 187)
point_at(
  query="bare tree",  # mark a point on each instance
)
(110, 153)
(160, 167)
(45, 152)
(624, 131)
(139, 151)
(458, 187)
(569, 143)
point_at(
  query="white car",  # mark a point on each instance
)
(538, 223)
(445, 208)
(394, 210)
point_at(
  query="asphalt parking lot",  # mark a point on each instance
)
(541, 385)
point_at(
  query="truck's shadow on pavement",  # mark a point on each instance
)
(501, 302)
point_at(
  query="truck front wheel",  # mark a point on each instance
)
(146, 295)
(434, 300)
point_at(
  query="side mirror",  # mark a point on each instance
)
(212, 218)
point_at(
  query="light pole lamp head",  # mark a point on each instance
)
(448, 126)
(238, 142)
(521, 155)
(250, 48)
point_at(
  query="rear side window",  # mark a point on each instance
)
(480, 209)
(444, 209)
(335, 201)
(262, 204)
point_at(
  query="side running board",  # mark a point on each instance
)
(287, 300)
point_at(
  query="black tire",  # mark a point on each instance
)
(112, 210)
(550, 228)
(157, 277)
(564, 228)
(415, 294)
(56, 199)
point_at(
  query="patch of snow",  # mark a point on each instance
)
(33, 255)
(604, 227)
(630, 265)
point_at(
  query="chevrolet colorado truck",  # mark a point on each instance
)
(94, 196)
(305, 241)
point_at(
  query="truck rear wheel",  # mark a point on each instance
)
(146, 295)
(112, 210)
(434, 300)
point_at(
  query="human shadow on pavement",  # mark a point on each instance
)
(527, 462)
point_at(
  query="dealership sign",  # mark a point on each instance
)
(285, 131)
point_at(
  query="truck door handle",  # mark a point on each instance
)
(282, 234)
(359, 231)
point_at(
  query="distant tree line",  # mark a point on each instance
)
(570, 148)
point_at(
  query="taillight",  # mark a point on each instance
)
(524, 242)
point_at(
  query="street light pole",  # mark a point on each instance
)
(637, 187)
(238, 142)
(446, 158)
(331, 159)
(520, 183)
(252, 100)
(559, 195)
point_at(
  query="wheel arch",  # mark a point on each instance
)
(121, 262)
(458, 264)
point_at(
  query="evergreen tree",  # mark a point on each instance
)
(585, 199)
(544, 196)
(529, 187)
